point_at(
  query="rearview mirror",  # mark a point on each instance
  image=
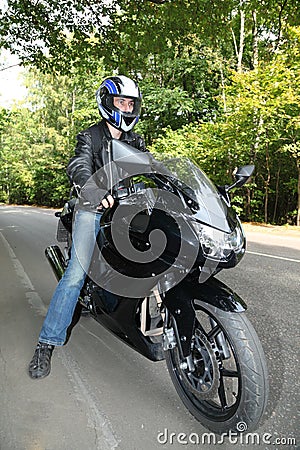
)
(242, 175)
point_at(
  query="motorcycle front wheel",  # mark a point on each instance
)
(228, 386)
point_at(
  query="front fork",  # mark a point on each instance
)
(171, 339)
(180, 321)
(221, 342)
(179, 327)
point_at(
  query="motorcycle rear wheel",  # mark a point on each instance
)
(229, 388)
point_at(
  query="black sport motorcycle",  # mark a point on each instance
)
(152, 283)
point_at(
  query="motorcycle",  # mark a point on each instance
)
(152, 283)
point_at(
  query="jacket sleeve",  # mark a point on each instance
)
(80, 167)
(80, 171)
(140, 144)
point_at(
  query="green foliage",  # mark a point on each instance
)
(261, 126)
(220, 83)
(29, 150)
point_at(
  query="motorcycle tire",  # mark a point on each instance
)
(228, 389)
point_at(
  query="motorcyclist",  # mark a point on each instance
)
(119, 101)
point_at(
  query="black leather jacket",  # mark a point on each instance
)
(89, 158)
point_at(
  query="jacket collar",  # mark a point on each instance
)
(125, 136)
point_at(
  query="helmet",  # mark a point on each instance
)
(119, 86)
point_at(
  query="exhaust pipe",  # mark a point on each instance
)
(56, 259)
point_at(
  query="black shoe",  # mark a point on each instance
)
(40, 365)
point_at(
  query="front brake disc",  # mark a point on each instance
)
(204, 381)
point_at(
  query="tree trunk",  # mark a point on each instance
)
(248, 205)
(235, 44)
(239, 50)
(267, 184)
(223, 91)
(280, 21)
(258, 123)
(254, 41)
(73, 106)
(242, 37)
(7, 185)
(298, 214)
(276, 195)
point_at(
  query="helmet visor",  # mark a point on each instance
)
(108, 102)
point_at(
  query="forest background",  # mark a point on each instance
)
(220, 83)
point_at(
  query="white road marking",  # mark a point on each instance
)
(105, 437)
(273, 256)
(26, 210)
(32, 296)
(104, 434)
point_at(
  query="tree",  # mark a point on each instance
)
(212, 76)
(271, 96)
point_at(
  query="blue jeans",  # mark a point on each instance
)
(86, 226)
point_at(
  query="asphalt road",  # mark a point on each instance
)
(101, 394)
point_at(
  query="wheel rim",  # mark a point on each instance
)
(223, 386)
(204, 380)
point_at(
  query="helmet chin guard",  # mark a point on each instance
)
(119, 86)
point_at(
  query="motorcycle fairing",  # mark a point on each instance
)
(118, 314)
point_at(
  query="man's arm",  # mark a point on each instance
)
(81, 173)
(80, 167)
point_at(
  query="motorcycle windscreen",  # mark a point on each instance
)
(212, 208)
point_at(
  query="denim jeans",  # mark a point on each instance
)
(86, 226)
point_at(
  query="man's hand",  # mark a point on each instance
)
(107, 202)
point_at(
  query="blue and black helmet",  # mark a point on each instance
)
(119, 86)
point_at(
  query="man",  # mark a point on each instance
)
(119, 101)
